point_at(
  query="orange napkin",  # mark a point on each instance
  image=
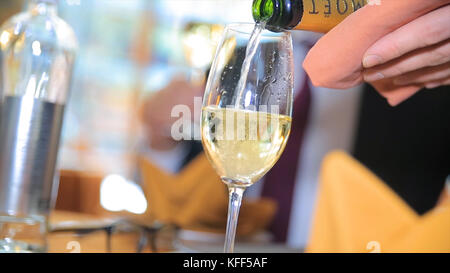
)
(357, 212)
(196, 199)
(336, 60)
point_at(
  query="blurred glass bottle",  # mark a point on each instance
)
(312, 15)
(37, 52)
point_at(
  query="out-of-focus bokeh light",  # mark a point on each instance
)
(199, 44)
(4, 38)
(119, 194)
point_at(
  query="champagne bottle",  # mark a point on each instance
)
(313, 15)
(37, 53)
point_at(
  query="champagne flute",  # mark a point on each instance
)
(247, 109)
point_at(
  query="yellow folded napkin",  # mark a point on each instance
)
(357, 212)
(196, 199)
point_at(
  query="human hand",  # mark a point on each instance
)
(417, 53)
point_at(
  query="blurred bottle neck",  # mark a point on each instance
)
(44, 7)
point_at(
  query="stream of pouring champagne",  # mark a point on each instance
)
(250, 52)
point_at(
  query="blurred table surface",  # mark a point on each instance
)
(86, 233)
(66, 220)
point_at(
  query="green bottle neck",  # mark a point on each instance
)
(278, 15)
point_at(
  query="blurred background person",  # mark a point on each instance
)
(159, 146)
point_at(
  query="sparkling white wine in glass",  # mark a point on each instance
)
(243, 145)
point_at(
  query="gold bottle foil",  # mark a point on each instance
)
(323, 15)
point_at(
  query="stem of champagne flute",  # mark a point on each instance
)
(235, 200)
